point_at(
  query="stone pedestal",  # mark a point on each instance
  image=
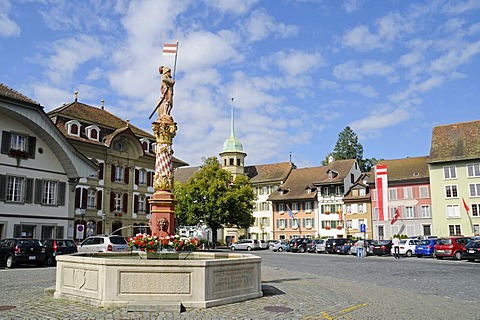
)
(162, 222)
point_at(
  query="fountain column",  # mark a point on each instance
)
(162, 222)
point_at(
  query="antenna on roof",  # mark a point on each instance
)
(290, 156)
(76, 95)
(103, 104)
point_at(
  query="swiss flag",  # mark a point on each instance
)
(395, 217)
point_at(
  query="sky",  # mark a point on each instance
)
(299, 71)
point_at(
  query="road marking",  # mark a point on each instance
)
(325, 316)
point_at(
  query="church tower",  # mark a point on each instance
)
(232, 154)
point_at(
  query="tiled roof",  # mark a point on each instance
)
(184, 174)
(415, 168)
(269, 172)
(340, 167)
(8, 92)
(453, 142)
(297, 184)
(93, 115)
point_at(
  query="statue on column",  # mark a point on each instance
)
(165, 103)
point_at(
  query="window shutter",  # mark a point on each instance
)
(113, 173)
(17, 231)
(126, 177)
(101, 165)
(3, 186)
(278, 223)
(77, 197)
(99, 199)
(135, 203)
(38, 190)
(6, 137)
(304, 222)
(61, 193)
(28, 191)
(112, 201)
(149, 179)
(125, 202)
(84, 198)
(313, 222)
(60, 232)
(136, 176)
(31, 147)
(147, 205)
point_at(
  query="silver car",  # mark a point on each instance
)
(103, 244)
(320, 246)
(245, 244)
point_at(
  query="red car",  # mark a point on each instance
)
(451, 247)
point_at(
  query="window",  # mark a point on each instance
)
(118, 201)
(118, 173)
(15, 189)
(450, 172)
(308, 206)
(92, 132)
(454, 230)
(339, 190)
(18, 145)
(453, 211)
(476, 229)
(427, 230)
(409, 212)
(362, 192)
(281, 207)
(451, 191)
(392, 194)
(375, 213)
(49, 192)
(92, 199)
(264, 206)
(381, 232)
(18, 142)
(281, 223)
(473, 170)
(360, 208)
(326, 191)
(232, 161)
(264, 190)
(391, 212)
(294, 206)
(475, 209)
(308, 223)
(141, 203)
(407, 193)
(423, 192)
(425, 212)
(474, 189)
(349, 208)
(142, 177)
(73, 128)
(348, 224)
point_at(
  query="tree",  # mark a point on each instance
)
(211, 195)
(348, 147)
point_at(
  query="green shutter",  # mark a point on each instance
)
(3, 187)
(61, 193)
(38, 190)
(28, 190)
(60, 232)
(6, 136)
(31, 147)
(17, 231)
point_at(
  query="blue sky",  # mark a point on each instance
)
(299, 71)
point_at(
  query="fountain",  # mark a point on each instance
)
(175, 281)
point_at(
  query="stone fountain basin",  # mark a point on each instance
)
(177, 281)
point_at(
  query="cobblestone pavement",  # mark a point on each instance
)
(287, 295)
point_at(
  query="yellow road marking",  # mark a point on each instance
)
(324, 315)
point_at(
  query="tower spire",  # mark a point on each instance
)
(232, 125)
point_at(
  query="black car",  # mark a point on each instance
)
(56, 247)
(331, 244)
(344, 248)
(15, 251)
(299, 244)
(382, 247)
(472, 250)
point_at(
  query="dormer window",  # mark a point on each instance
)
(73, 128)
(92, 132)
(145, 144)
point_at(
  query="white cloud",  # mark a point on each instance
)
(380, 119)
(459, 7)
(351, 5)
(365, 90)
(296, 62)
(8, 28)
(353, 70)
(325, 84)
(231, 6)
(260, 25)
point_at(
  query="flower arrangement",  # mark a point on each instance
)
(327, 212)
(20, 154)
(148, 243)
(339, 227)
(327, 227)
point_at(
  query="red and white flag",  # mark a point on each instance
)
(170, 49)
(381, 185)
(395, 217)
(465, 205)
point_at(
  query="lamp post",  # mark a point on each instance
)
(104, 218)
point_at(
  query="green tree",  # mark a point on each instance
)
(348, 147)
(211, 195)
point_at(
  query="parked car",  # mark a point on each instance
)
(312, 245)
(382, 247)
(451, 247)
(344, 248)
(407, 246)
(425, 247)
(15, 251)
(280, 245)
(472, 250)
(262, 244)
(299, 244)
(111, 243)
(320, 246)
(331, 244)
(56, 247)
(245, 244)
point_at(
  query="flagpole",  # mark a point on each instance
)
(175, 63)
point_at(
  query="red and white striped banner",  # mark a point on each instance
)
(170, 48)
(381, 185)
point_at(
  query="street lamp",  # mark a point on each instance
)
(104, 218)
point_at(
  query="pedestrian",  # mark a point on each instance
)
(360, 248)
(396, 247)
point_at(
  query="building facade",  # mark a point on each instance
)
(358, 210)
(39, 169)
